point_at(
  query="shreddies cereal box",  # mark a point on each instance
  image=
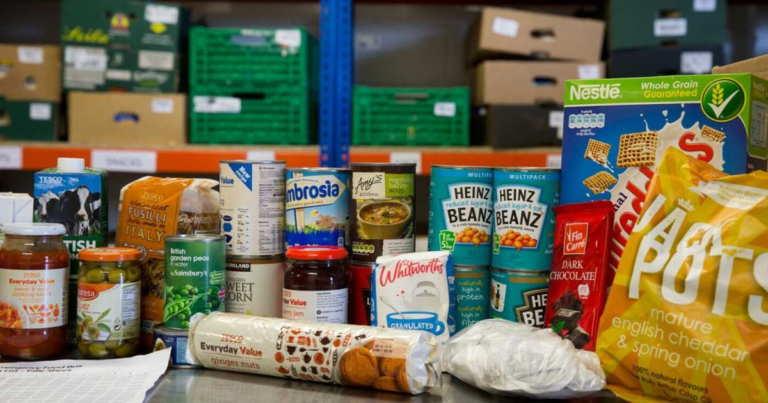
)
(615, 132)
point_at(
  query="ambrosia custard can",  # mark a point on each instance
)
(317, 207)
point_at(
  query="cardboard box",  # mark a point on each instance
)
(117, 119)
(504, 32)
(528, 82)
(617, 130)
(664, 61)
(514, 126)
(28, 120)
(30, 73)
(636, 24)
(757, 66)
(120, 70)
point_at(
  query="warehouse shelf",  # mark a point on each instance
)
(205, 159)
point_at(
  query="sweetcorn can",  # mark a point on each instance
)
(254, 285)
(519, 295)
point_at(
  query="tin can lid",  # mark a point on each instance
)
(316, 253)
(116, 254)
(34, 229)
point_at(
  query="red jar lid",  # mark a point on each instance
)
(316, 253)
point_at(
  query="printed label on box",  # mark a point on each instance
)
(30, 54)
(118, 75)
(505, 26)
(162, 105)
(670, 27)
(217, 104)
(704, 6)
(40, 111)
(447, 109)
(288, 37)
(86, 59)
(589, 71)
(696, 62)
(150, 59)
(161, 14)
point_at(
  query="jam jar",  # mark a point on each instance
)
(34, 272)
(316, 284)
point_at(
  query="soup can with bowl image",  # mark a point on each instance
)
(381, 211)
(317, 207)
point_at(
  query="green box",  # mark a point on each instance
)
(410, 116)
(28, 120)
(636, 24)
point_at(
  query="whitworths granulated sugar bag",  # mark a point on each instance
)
(687, 318)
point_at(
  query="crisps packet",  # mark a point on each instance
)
(687, 317)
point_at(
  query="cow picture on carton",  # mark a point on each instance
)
(78, 209)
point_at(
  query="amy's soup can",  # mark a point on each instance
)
(519, 296)
(253, 207)
(254, 285)
(461, 213)
(524, 219)
(317, 207)
(194, 277)
(360, 294)
(382, 209)
(473, 284)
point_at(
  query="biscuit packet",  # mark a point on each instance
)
(384, 359)
(687, 317)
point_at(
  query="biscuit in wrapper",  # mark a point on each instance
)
(687, 317)
(597, 151)
(599, 182)
(637, 149)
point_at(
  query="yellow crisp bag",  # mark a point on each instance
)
(687, 318)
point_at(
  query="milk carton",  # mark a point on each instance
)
(415, 291)
(14, 207)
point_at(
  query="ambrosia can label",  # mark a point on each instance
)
(461, 213)
(524, 222)
(317, 207)
(254, 285)
(382, 219)
(473, 288)
(519, 296)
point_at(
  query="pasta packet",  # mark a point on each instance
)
(687, 317)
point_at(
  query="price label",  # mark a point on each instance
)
(704, 6)
(10, 157)
(409, 157)
(217, 104)
(589, 71)
(162, 105)
(447, 109)
(505, 26)
(554, 160)
(124, 160)
(30, 54)
(40, 111)
(161, 14)
(261, 155)
(670, 27)
(288, 37)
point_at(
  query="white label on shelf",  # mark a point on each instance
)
(161, 14)
(447, 109)
(260, 155)
(589, 71)
(118, 75)
(554, 161)
(555, 119)
(30, 54)
(696, 62)
(217, 104)
(162, 105)
(40, 111)
(670, 27)
(505, 26)
(150, 59)
(88, 59)
(10, 157)
(704, 6)
(124, 160)
(288, 37)
(410, 157)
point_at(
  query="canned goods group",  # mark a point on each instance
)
(317, 207)
(473, 288)
(519, 296)
(461, 213)
(253, 207)
(254, 285)
(524, 222)
(382, 208)
(177, 341)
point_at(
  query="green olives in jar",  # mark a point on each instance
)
(108, 302)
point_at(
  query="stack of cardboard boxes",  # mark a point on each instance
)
(665, 37)
(522, 60)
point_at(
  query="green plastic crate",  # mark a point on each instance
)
(411, 116)
(28, 120)
(251, 59)
(283, 116)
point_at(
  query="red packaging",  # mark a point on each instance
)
(578, 281)
(360, 294)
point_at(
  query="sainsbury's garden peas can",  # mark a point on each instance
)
(461, 213)
(194, 277)
(317, 207)
(524, 219)
(519, 296)
(473, 284)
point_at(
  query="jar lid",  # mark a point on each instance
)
(34, 229)
(116, 254)
(316, 253)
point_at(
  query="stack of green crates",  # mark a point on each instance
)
(268, 77)
(411, 116)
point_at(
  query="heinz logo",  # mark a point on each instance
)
(86, 294)
(407, 268)
(575, 242)
(595, 91)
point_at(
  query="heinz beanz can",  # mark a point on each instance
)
(253, 207)
(524, 221)
(473, 287)
(461, 213)
(317, 207)
(194, 277)
(254, 285)
(519, 296)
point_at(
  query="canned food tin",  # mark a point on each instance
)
(177, 341)
(360, 294)
(317, 207)
(253, 207)
(254, 285)
(524, 222)
(194, 277)
(519, 296)
(383, 204)
(473, 287)
(461, 213)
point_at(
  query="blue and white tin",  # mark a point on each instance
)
(317, 207)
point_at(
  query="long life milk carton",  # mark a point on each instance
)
(616, 130)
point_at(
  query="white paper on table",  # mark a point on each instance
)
(119, 380)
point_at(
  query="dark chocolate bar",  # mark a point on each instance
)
(578, 337)
(568, 301)
(570, 318)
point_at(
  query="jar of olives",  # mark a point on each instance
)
(108, 302)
